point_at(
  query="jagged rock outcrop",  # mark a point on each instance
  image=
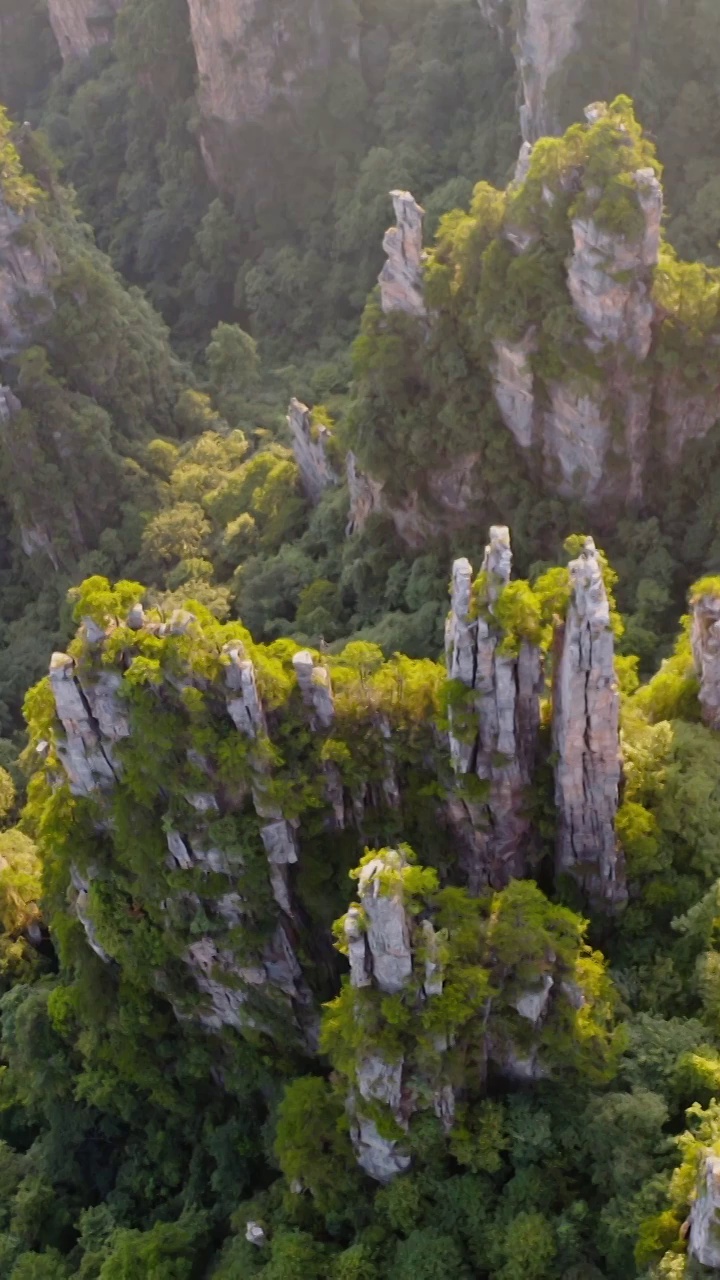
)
(586, 738)
(494, 736)
(95, 720)
(365, 496)
(706, 652)
(87, 750)
(79, 26)
(28, 263)
(401, 279)
(704, 1236)
(310, 444)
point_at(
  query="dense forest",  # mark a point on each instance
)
(351, 930)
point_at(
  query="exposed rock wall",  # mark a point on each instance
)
(401, 284)
(704, 1242)
(586, 738)
(252, 57)
(494, 737)
(610, 276)
(27, 265)
(310, 445)
(706, 652)
(80, 25)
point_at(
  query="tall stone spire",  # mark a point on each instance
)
(586, 737)
(401, 283)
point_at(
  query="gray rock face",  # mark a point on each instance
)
(309, 445)
(365, 496)
(513, 385)
(81, 887)
(577, 437)
(360, 960)
(706, 652)
(93, 721)
(243, 703)
(379, 1157)
(228, 985)
(255, 1234)
(28, 264)
(79, 26)
(687, 416)
(704, 1242)
(532, 1004)
(316, 690)
(495, 735)
(586, 738)
(610, 277)
(388, 931)
(401, 281)
(246, 712)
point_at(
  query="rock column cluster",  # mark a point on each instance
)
(494, 736)
(94, 722)
(586, 711)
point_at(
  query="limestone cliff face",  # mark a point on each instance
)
(80, 25)
(401, 287)
(547, 34)
(310, 445)
(27, 265)
(251, 57)
(494, 737)
(610, 276)
(586, 738)
(572, 422)
(706, 652)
